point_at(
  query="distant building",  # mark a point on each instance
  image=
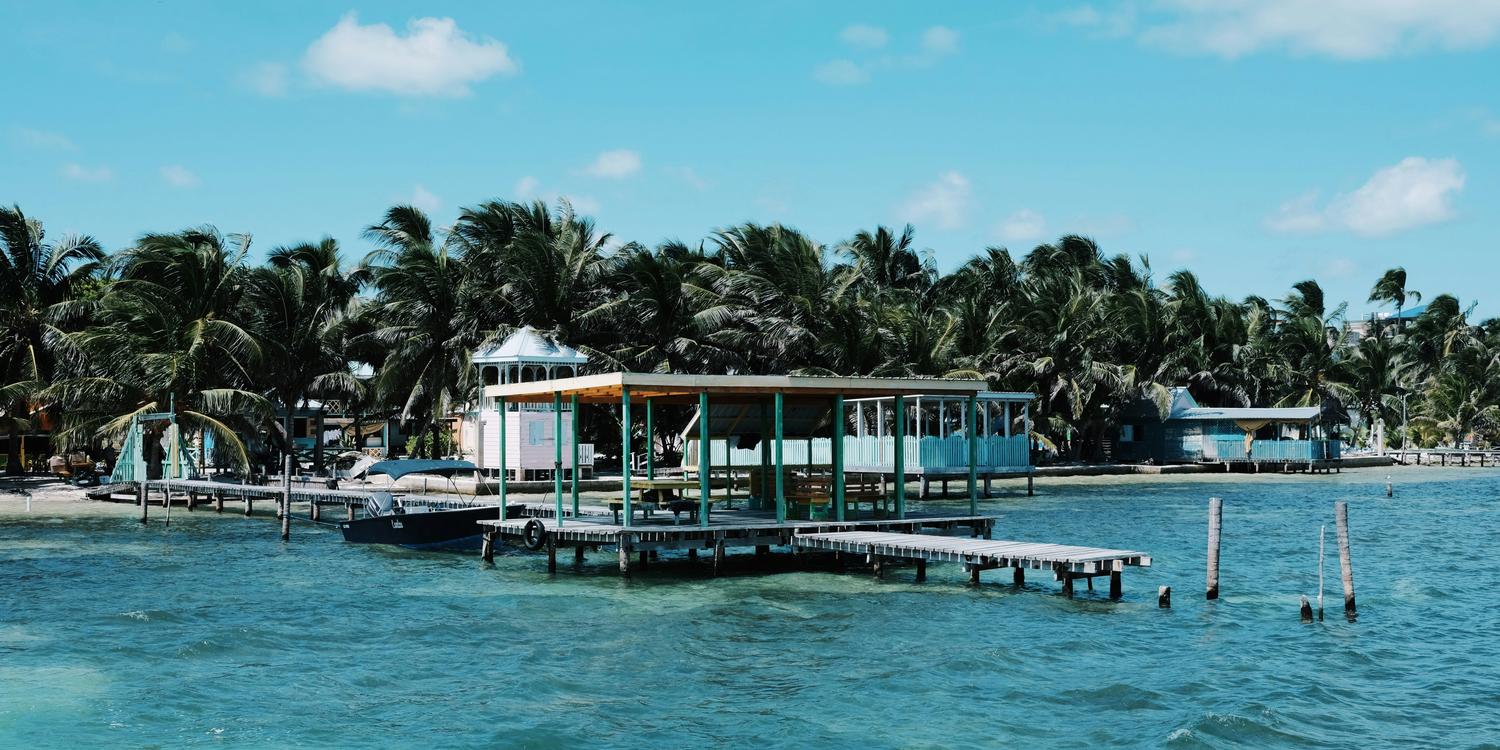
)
(1192, 433)
(1362, 327)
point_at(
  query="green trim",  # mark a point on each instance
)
(500, 409)
(838, 457)
(780, 410)
(704, 459)
(650, 440)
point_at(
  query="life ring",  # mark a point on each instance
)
(534, 534)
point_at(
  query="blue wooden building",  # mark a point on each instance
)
(1293, 437)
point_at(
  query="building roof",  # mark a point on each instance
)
(1184, 406)
(526, 345)
(609, 388)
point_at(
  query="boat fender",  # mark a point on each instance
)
(534, 535)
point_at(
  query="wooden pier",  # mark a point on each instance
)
(729, 529)
(1067, 563)
(1447, 457)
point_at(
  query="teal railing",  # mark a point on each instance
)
(878, 454)
(1279, 450)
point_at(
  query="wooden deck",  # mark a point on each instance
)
(1066, 562)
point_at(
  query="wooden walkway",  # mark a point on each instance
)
(729, 529)
(1067, 562)
(1447, 457)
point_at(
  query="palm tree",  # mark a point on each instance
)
(1392, 288)
(36, 279)
(416, 317)
(296, 304)
(169, 332)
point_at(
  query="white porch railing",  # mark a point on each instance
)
(878, 454)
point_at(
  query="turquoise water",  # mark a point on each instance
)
(213, 633)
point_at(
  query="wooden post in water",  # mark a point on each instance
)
(552, 553)
(247, 504)
(1307, 613)
(1215, 519)
(1030, 485)
(142, 489)
(1346, 565)
(1321, 530)
(1114, 584)
(718, 556)
(974, 574)
(921, 570)
(1018, 578)
(623, 542)
(218, 501)
(1390, 490)
(578, 555)
(1164, 597)
(286, 499)
(486, 547)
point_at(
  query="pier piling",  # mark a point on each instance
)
(286, 499)
(1390, 490)
(1307, 613)
(1114, 585)
(486, 546)
(1164, 597)
(1018, 578)
(143, 500)
(1346, 565)
(1215, 520)
(218, 501)
(921, 570)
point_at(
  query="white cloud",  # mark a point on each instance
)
(867, 37)
(944, 202)
(433, 58)
(1342, 29)
(74, 171)
(1184, 256)
(936, 43)
(177, 175)
(1411, 193)
(1022, 226)
(1300, 214)
(266, 79)
(583, 205)
(44, 139)
(614, 165)
(940, 40)
(689, 176)
(841, 73)
(526, 188)
(423, 198)
(1339, 268)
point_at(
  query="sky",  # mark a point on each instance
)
(1255, 143)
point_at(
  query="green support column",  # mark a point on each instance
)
(704, 459)
(557, 453)
(650, 441)
(500, 404)
(900, 457)
(574, 474)
(838, 457)
(625, 452)
(780, 409)
(973, 455)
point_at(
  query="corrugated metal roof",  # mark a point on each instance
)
(1286, 414)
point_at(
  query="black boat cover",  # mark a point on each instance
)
(398, 469)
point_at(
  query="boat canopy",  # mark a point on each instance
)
(398, 469)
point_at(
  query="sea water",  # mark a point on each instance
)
(213, 633)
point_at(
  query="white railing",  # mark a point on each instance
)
(878, 454)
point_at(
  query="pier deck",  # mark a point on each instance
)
(1067, 562)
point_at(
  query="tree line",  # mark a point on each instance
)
(90, 338)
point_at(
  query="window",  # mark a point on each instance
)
(1127, 433)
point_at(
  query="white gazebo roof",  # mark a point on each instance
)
(526, 345)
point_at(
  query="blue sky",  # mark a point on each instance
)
(1256, 143)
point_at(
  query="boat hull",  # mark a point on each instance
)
(439, 529)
